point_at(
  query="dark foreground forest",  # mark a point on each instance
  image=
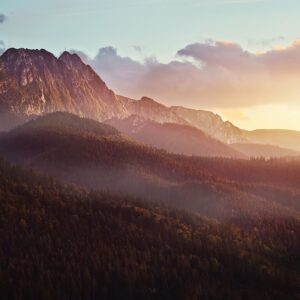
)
(60, 242)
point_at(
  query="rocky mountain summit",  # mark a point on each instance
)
(34, 82)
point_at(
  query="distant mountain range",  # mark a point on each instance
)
(35, 82)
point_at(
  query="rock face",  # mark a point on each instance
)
(211, 124)
(34, 82)
(150, 109)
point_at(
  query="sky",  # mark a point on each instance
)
(239, 58)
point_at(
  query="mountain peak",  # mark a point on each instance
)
(46, 84)
(14, 53)
(68, 58)
(149, 100)
(145, 98)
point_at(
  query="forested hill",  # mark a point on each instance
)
(58, 242)
(94, 155)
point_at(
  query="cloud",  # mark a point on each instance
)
(211, 74)
(2, 47)
(242, 1)
(138, 49)
(267, 43)
(3, 18)
(116, 70)
(235, 115)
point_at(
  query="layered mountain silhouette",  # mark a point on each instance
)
(35, 82)
(176, 138)
(95, 155)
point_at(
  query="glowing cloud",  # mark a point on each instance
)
(211, 74)
(2, 18)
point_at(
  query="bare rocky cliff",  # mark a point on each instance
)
(34, 82)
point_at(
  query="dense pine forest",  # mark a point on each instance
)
(61, 242)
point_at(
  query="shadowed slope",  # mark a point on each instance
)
(262, 150)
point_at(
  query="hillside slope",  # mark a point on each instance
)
(58, 242)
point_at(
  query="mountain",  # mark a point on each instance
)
(150, 109)
(212, 124)
(261, 150)
(33, 82)
(172, 137)
(95, 245)
(208, 122)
